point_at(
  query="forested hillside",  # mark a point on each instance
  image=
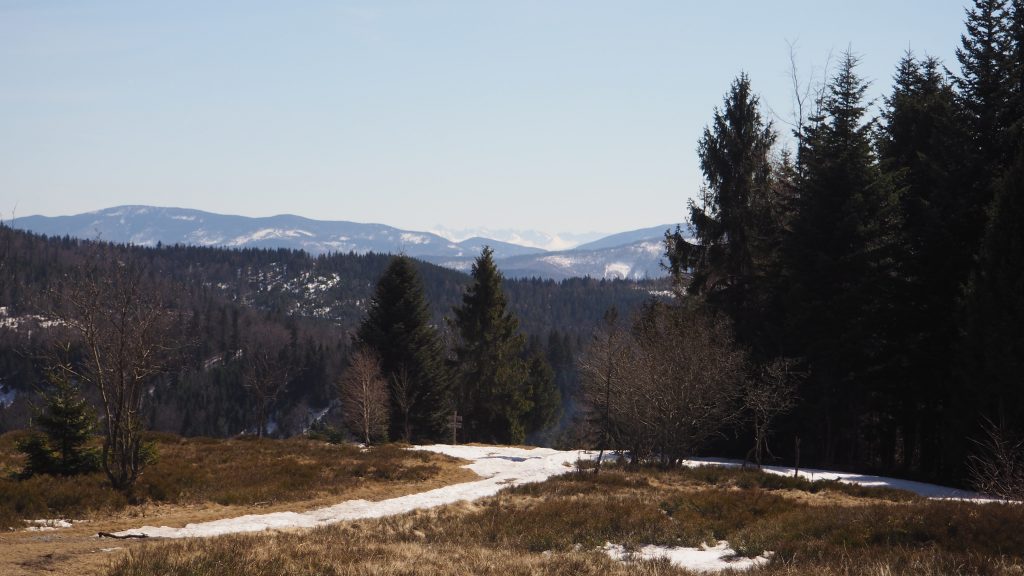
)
(305, 308)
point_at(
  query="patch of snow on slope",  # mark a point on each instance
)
(204, 238)
(528, 238)
(269, 233)
(703, 559)
(142, 240)
(652, 247)
(617, 270)
(499, 466)
(411, 238)
(560, 261)
(185, 218)
(932, 491)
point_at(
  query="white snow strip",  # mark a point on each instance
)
(932, 491)
(269, 234)
(703, 559)
(500, 467)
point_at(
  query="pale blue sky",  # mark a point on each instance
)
(562, 116)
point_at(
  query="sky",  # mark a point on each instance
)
(564, 116)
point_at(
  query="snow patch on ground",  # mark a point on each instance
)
(47, 524)
(703, 559)
(920, 488)
(500, 467)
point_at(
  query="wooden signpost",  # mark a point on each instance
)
(455, 422)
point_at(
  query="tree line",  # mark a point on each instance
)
(874, 276)
(293, 313)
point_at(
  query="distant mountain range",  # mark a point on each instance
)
(635, 254)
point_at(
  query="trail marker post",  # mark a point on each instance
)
(455, 422)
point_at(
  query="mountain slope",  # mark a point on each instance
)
(635, 261)
(635, 254)
(147, 226)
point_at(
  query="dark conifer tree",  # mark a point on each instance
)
(67, 423)
(994, 380)
(1016, 104)
(986, 91)
(841, 266)
(921, 146)
(985, 60)
(544, 396)
(734, 156)
(494, 381)
(740, 221)
(398, 329)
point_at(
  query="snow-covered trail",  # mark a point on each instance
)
(932, 491)
(499, 467)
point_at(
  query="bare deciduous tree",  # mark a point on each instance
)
(120, 320)
(403, 394)
(998, 466)
(666, 387)
(767, 396)
(603, 377)
(266, 369)
(695, 375)
(364, 397)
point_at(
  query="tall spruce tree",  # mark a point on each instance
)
(412, 358)
(921, 146)
(985, 57)
(840, 263)
(734, 156)
(741, 220)
(495, 394)
(1016, 68)
(995, 305)
(986, 89)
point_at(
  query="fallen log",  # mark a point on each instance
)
(116, 537)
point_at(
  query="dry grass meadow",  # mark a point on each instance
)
(557, 527)
(554, 528)
(194, 480)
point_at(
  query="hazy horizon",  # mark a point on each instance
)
(566, 118)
